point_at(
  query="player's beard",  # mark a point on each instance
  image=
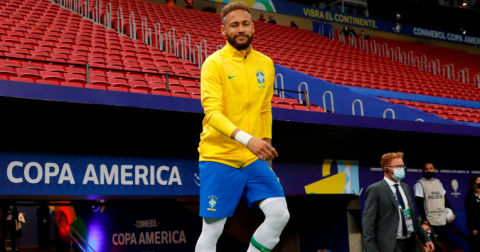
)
(240, 46)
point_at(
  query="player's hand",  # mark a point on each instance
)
(425, 222)
(262, 149)
(429, 246)
(452, 219)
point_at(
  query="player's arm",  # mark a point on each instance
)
(212, 102)
(212, 99)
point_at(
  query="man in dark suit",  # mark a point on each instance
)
(389, 220)
(9, 216)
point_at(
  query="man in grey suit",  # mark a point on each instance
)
(389, 220)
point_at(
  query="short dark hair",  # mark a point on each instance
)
(234, 6)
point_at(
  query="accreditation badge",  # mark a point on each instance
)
(408, 220)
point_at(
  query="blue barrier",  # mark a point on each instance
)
(416, 97)
(344, 97)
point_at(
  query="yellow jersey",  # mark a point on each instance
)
(236, 91)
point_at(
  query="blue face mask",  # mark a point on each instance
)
(398, 174)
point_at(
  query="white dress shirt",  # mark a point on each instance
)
(405, 201)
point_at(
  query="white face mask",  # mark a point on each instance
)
(398, 174)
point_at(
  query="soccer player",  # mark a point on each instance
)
(236, 145)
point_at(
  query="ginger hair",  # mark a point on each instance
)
(388, 157)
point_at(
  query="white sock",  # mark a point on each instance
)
(276, 217)
(211, 231)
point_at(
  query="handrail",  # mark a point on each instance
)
(323, 30)
(398, 57)
(352, 41)
(385, 50)
(331, 34)
(97, 10)
(379, 49)
(282, 95)
(411, 60)
(307, 98)
(453, 70)
(403, 57)
(220, 47)
(362, 42)
(201, 50)
(341, 38)
(178, 49)
(331, 99)
(120, 20)
(71, 235)
(367, 47)
(424, 62)
(433, 68)
(448, 75)
(144, 30)
(101, 68)
(373, 43)
(415, 61)
(437, 66)
(133, 26)
(107, 22)
(463, 75)
(387, 110)
(158, 36)
(198, 55)
(170, 40)
(476, 80)
(390, 51)
(361, 106)
(189, 51)
(149, 36)
(164, 35)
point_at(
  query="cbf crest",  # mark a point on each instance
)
(212, 203)
(261, 78)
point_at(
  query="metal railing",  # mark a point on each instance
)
(361, 106)
(73, 234)
(305, 93)
(388, 110)
(275, 91)
(476, 80)
(88, 67)
(464, 75)
(331, 101)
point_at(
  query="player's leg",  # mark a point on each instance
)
(211, 231)
(264, 187)
(268, 233)
(221, 188)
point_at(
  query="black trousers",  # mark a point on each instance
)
(8, 226)
(403, 246)
(474, 243)
(441, 233)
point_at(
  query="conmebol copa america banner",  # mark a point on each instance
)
(288, 8)
(90, 176)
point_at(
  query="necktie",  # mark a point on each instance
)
(402, 204)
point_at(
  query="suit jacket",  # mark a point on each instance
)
(381, 217)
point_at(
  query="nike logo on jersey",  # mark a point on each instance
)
(230, 77)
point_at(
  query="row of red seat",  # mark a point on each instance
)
(95, 45)
(460, 114)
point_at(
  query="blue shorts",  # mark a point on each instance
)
(222, 186)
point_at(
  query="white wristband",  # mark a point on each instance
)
(243, 137)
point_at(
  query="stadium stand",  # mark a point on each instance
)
(42, 31)
(298, 49)
(448, 63)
